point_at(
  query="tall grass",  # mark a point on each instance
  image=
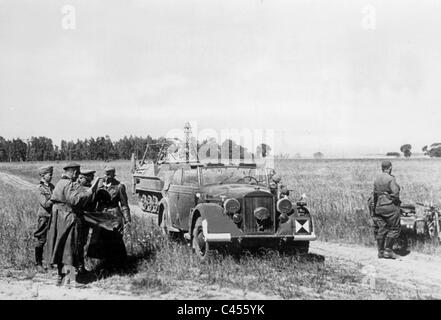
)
(168, 265)
(162, 265)
(337, 190)
(18, 221)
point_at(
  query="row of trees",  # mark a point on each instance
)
(100, 148)
(434, 150)
(103, 148)
(406, 149)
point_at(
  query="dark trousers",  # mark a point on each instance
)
(41, 232)
(107, 246)
(387, 225)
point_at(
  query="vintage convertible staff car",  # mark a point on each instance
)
(237, 206)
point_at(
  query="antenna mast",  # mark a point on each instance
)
(187, 132)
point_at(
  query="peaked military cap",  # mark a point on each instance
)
(45, 169)
(71, 165)
(87, 172)
(109, 169)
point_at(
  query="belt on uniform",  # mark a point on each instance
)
(63, 205)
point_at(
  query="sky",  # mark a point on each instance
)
(346, 78)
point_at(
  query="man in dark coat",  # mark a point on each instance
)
(83, 183)
(65, 227)
(386, 211)
(45, 188)
(116, 205)
(90, 250)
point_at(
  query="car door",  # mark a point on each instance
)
(187, 200)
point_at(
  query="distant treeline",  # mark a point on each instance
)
(100, 148)
(103, 148)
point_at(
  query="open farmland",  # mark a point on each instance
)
(337, 192)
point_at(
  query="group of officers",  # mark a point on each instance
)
(80, 218)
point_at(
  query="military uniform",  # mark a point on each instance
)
(118, 202)
(45, 190)
(64, 241)
(387, 207)
(110, 244)
(386, 211)
(86, 206)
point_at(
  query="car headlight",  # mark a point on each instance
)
(284, 206)
(232, 205)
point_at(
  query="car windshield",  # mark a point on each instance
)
(225, 175)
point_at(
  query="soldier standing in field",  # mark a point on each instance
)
(45, 188)
(65, 227)
(386, 211)
(117, 205)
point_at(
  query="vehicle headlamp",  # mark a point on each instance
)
(231, 205)
(284, 205)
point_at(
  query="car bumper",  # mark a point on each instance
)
(257, 240)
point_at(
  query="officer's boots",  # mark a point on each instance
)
(60, 275)
(380, 245)
(39, 259)
(389, 253)
(38, 256)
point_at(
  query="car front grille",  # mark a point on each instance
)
(250, 224)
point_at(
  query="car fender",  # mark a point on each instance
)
(215, 223)
(163, 203)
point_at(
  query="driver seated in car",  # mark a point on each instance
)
(276, 186)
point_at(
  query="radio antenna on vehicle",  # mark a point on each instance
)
(187, 132)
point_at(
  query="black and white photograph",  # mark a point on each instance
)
(221, 155)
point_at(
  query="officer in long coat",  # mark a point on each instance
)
(65, 227)
(386, 211)
(45, 188)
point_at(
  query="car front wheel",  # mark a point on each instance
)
(200, 245)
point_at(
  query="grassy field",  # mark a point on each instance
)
(159, 265)
(337, 191)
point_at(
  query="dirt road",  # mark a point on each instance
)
(418, 273)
